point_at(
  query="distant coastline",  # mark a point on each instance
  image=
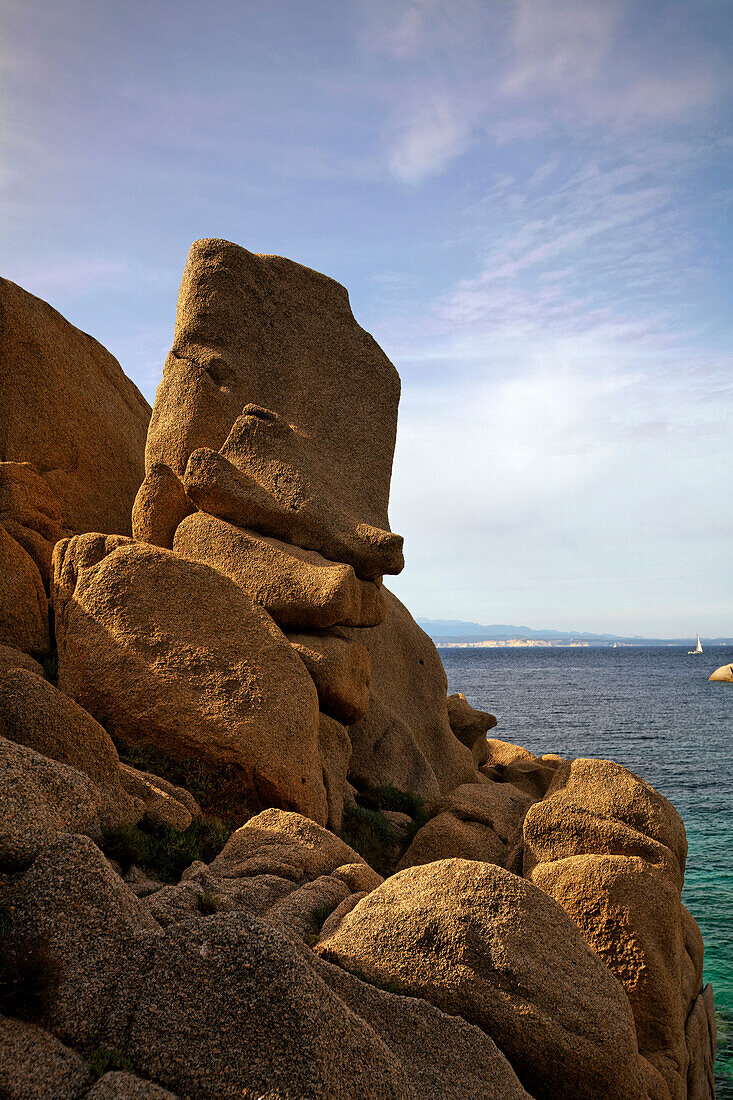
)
(524, 643)
(454, 633)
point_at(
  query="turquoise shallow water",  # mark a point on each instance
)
(653, 710)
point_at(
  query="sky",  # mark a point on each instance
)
(530, 205)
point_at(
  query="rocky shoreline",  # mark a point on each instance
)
(249, 847)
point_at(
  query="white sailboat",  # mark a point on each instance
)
(697, 649)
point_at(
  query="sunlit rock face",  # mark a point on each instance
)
(277, 410)
(68, 408)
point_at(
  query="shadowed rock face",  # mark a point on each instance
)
(283, 409)
(406, 738)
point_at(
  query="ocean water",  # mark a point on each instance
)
(653, 710)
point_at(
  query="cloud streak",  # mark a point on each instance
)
(567, 399)
(511, 70)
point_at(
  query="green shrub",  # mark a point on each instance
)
(404, 802)
(218, 789)
(50, 667)
(105, 1059)
(321, 913)
(370, 834)
(167, 852)
(209, 903)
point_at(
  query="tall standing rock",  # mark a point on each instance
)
(70, 410)
(276, 417)
(269, 367)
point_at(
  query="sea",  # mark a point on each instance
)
(653, 710)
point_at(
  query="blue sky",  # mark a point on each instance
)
(530, 204)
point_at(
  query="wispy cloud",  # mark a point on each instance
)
(430, 139)
(566, 394)
(583, 58)
(452, 75)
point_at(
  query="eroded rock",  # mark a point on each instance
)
(33, 1063)
(284, 844)
(160, 506)
(126, 1086)
(470, 726)
(40, 798)
(30, 513)
(69, 409)
(480, 821)
(35, 714)
(298, 588)
(406, 739)
(611, 850)
(481, 943)
(266, 370)
(341, 669)
(23, 601)
(170, 653)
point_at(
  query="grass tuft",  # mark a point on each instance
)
(105, 1059)
(209, 903)
(167, 852)
(369, 832)
(405, 802)
(50, 666)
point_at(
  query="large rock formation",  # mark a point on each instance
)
(69, 409)
(269, 459)
(483, 944)
(488, 925)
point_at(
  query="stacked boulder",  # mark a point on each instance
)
(247, 624)
(527, 940)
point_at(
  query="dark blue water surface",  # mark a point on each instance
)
(653, 710)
